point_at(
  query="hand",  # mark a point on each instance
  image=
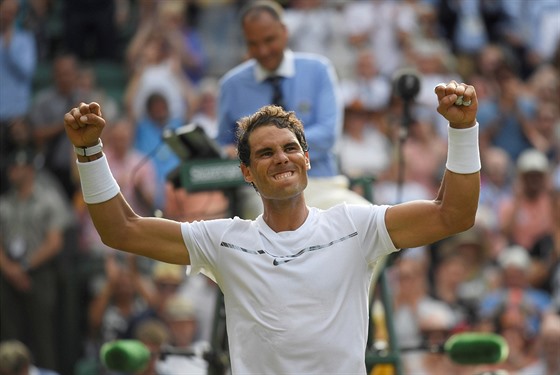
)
(19, 279)
(459, 116)
(84, 124)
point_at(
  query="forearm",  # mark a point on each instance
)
(458, 199)
(460, 188)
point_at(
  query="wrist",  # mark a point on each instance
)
(85, 159)
(463, 125)
(97, 181)
(463, 155)
(89, 151)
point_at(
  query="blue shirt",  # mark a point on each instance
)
(149, 140)
(510, 135)
(310, 89)
(18, 61)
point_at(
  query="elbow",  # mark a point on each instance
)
(466, 224)
(115, 242)
(459, 220)
(462, 222)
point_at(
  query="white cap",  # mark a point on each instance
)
(532, 160)
(514, 256)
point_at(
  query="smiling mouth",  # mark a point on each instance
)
(283, 175)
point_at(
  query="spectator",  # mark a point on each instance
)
(203, 292)
(154, 334)
(434, 63)
(436, 326)
(366, 88)
(541, 133)
(309, 87)
(33, 220)
(548, 347)
(217, 23)
(122, 296)
(18, 59)
(382, 26)
(497, 176)
(515, 298)
(16, 359)
(154, 58)
(504, 119)
(206, 114)
(449, 273)
(47, 114)
(487, 62)
(411, 302)
(365, 150)
(321, 36)
(166, 280)
(417, 167)
(149, 141)
(480, 276)
(527, 216)
(180, 317)
(178, 18)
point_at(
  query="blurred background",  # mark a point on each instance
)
(63, 293)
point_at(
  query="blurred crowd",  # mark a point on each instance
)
(63, 293)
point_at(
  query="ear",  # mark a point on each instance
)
(307, 162)
(246, 173)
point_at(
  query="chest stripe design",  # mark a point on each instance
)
(283, 259)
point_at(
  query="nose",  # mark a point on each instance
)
(280, 157)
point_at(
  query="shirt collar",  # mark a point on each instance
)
(287, 68)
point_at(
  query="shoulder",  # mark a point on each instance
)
(216, 225)
(241, 71)
(311, 59)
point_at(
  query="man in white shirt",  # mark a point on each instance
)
(296, 279)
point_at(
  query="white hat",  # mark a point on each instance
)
(514, 256)
(532, 160)
(179, 308)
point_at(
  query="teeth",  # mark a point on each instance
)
(283, 175)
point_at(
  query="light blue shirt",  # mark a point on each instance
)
(18, 61)
(310, 89)
(149, 140)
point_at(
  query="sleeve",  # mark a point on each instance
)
(203, 239)
(372, 231)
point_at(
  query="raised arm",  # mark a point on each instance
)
(117, 224)
(419, 223)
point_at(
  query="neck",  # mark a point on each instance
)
(283, 216)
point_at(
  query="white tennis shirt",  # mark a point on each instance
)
(296, 301)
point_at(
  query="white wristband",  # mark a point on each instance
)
(463, 155)
(98, 183)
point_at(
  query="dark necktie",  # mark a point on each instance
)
(277, 97)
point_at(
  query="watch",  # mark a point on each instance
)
(89, 151)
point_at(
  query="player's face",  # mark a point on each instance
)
(278, 164)
(266, 40)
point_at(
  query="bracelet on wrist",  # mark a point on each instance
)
(89, 151)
